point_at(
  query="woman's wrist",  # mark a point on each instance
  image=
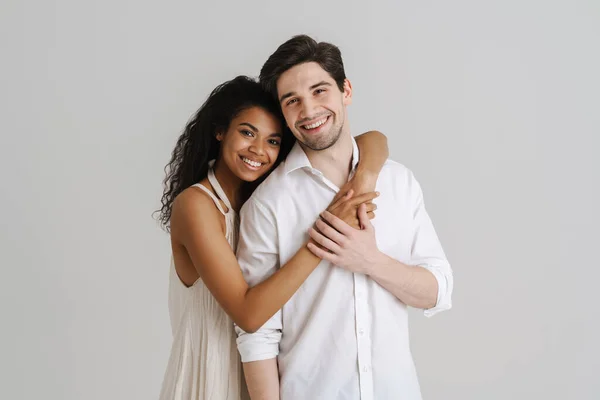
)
(366, 175)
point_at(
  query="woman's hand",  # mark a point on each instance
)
(346, 207)
(362, 182)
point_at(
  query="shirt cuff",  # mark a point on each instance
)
(258, 346)
(444, 300)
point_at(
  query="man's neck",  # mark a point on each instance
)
(335, 162)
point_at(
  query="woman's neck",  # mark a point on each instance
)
(230, 184)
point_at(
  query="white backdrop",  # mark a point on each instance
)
(494, 106)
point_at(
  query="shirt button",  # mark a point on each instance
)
(361, 332)
(365, 369)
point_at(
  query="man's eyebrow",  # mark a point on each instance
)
(316, 85)
(285, 96)
(322, 83)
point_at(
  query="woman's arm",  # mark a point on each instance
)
(196, 226)
(374, 152)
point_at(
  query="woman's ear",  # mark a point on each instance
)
(219, 135)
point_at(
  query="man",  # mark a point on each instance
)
(344, 334)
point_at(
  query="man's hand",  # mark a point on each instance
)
(352, 249)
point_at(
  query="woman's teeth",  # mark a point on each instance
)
(316, 124)
(251, 163)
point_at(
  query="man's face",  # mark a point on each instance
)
(313, 105)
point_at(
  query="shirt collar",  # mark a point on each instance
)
(355, 155)
(297, 158)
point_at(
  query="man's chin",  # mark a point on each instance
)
(315, 145)
(323, 142)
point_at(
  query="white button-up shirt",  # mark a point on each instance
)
(342, 335)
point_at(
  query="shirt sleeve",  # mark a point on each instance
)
(427, 252)
(258, 257)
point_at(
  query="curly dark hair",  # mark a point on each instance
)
(197, 145)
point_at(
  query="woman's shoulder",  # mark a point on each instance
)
(195, 199)
(195, 211)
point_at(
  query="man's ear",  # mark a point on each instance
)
(347, 100)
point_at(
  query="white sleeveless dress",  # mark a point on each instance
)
(204, 362)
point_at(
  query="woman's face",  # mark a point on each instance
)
(251, 145)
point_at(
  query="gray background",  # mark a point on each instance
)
(493, 105)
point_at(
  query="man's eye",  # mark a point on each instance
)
(292, 101)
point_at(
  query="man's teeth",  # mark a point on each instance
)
(250, 162)
(316, 124)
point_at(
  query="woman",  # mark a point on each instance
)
(236, 138)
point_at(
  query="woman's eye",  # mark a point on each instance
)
(247, 133)
(274, 142)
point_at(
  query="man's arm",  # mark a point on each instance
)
(413, 285)
(258, 257)
(262, 379)
(426, 283)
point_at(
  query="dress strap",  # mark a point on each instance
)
(215, 184)
(212, 195)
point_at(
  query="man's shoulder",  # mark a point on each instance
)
(395, 165)
(272, 188)
(399, 177)
(395, 170)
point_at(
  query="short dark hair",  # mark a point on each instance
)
(299, 50)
